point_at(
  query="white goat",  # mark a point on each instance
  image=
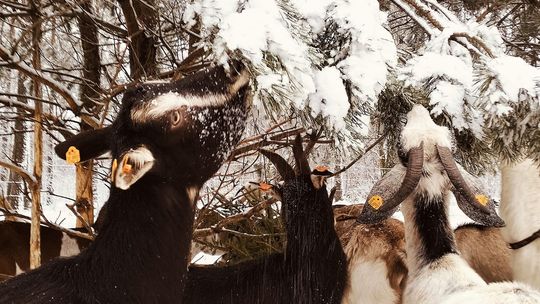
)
(520, 209)
(437, 274)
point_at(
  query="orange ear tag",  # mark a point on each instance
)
(482, 199)
(376, 202)
(126, 168)
(322, 168)
(73, 155)
(264, 186)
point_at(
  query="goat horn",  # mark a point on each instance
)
(460, 185)
(284, 169)
(302, 164)
(410, 181)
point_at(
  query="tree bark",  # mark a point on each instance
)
(35, 238)
(15, 188)
(141, 21)
(90, 92)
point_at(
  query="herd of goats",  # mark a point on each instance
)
(170, 138)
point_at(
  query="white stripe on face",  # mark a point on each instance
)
(165, 103)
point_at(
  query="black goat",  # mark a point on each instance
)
(168, 138)
(313, 268)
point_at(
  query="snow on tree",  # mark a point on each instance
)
(325, 60)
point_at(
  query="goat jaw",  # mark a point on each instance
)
(134, 165)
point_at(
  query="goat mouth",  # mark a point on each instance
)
(133, 165)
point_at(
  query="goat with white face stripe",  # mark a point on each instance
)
(164, 149)
(437, 274)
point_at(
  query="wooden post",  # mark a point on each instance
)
(35, 238)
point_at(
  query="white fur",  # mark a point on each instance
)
(141, 159)
(500, 293)
(520, 209)
(369, 284)
(439, 280)
(420, 128)
(168, 102)
(171, 101)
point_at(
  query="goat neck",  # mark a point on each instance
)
(147, 227)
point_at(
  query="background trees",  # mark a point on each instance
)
(343, 72)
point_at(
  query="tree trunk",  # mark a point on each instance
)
(90, 92)
(35, 248)
(141, 21)
(15, 188)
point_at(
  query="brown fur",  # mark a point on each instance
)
(485, 251)
(385, 241)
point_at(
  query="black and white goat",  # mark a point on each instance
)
(313, 268)
(520, 209)
(167, 140)
(437, 274)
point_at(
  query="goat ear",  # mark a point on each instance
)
(383, 190)
(302, 165)
(284, 169)
(85, 145)
(470, 208)
(132, 166)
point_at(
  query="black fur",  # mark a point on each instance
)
(313, 268)
(140, 254)
(433, 228)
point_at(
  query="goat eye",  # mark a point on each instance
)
(140, 90)
(176, 118)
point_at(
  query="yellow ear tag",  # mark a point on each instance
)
(264, 186)
(321, 168)
(113, 169)
(73, 155)
(482, 199)
(376, 202)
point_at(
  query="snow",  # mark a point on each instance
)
(513, 75)
(431, 65)
(260, 30)
(330, 99)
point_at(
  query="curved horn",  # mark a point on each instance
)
(411, 179)
(284, 169)
(378, 206)
(460, 185)
(302, 164)
(471, 199)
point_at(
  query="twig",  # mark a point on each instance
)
(233, 219)
(361, 155)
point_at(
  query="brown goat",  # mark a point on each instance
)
(485, 251)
